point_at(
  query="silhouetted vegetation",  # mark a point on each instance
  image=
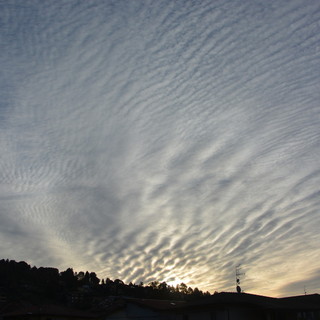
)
(21, 282)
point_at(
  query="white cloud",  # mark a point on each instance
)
(174, 140)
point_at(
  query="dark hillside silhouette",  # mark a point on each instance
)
(21, 282)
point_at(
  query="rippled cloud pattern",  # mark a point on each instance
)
(163, 140)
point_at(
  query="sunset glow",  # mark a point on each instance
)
(163, 140)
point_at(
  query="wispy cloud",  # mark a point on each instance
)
(167, 140)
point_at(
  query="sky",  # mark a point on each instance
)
(163, 140)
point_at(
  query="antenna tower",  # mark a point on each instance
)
(238, 275)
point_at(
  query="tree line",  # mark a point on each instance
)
(20, 281)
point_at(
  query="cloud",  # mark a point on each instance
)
(159, 142)
(308, 285)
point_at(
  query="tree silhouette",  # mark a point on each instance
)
(81, 289)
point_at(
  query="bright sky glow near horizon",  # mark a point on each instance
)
(163, 140)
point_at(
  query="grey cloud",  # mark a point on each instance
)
(165, 141)
(309, 285)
